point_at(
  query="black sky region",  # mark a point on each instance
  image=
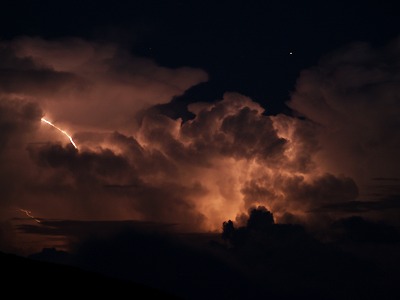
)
(244, 46)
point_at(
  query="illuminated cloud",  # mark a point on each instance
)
(197, 173)
(353, 95)
(88, 85)
(136, 163)
(81, 86)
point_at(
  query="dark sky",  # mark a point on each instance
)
(244, 46)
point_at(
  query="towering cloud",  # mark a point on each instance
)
(198, 173)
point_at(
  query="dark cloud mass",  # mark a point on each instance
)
(133, 162)
(354, 95)
(73, 78)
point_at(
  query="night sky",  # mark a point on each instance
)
(172, 117)
(244, 46)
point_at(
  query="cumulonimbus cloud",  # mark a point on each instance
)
(200, 172)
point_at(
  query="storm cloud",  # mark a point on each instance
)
(133, 162)
(354, 95)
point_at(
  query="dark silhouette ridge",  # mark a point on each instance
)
(53, 255)
(356, 229)
(260, 219)
(261, 260)
(296, 265)
(31, 278)
(165, 262)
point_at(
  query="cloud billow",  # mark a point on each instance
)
(136, 163)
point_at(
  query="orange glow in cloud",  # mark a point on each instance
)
(136, 162)
(62, 131)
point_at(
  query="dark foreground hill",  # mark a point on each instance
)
(25, 277)
(355, 259)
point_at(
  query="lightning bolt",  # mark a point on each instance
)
(62, 131)
(29, 214)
